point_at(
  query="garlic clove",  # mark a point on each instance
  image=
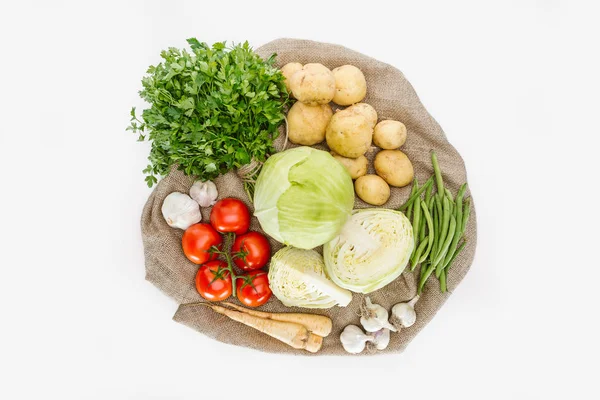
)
(381, 339)
(180, 210)
(354, 339)
(403, 314)
(204, 193)
(374, 317)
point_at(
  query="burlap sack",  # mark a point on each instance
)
(394, 98)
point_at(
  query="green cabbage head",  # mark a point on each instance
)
(303, 197)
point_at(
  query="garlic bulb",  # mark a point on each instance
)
(205, 193)
(374, 317)
(381, 339)
(180, 210)
(354, 339)
(403, 314)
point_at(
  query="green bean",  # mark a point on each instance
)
(428, 193)
(459, 206)
(458, 233)
(443, 281)
(409, 209)
(422, 271)
(416, 219)
(422, 226)
(438, 174)
(444, 226)
(449, 194)
(431, 236)
(439, 212)
(435, 216)
(416, 194)
(424, 276)
(462, 246)
(466, 214)
(417, 255)
(444, 249)
(452, 248)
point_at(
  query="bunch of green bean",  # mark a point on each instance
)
(439, 223)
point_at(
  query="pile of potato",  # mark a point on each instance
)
(349, 132)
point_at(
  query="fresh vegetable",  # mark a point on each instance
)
(230, 215)
(297, 278)
(251, 251)
(374, 317)
(372, 189)
(180, 210)
(303, 197)
(389, 134)
(356, 167)
(381, 339)
(354, 339)
(306, 124)
(290, 333)
(205, 193)
(314, 84)
(349, 134)
(350, 85)
(416, 194)
(394, 166)
(253, 288)
(366, 111)
(371, 251)
(288, 70)
(317, 324)
(212, 109)
(403, 314)
(213, 281)
(198, 241)
(441, 229)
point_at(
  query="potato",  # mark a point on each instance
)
(372, 189)
(365, 110)
(356, 167)
(394, 167)
(288, 70)
(306, 124)
(350, 85)
(314, 84)
(389, 134)
(349, 134)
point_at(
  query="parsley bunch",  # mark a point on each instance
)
(211, 110)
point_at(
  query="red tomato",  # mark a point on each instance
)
(251, 251)
(197, 240)
(253, 288)
(213, 281)
(230, 215)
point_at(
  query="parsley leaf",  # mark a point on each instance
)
(212, 109)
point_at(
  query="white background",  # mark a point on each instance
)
(514, 84)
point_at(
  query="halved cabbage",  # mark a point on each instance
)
(303, 197)
(297, 278)
(372, 250)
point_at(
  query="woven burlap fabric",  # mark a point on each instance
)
(394, 98)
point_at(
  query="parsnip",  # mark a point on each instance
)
(290, 333)
(317, 324)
